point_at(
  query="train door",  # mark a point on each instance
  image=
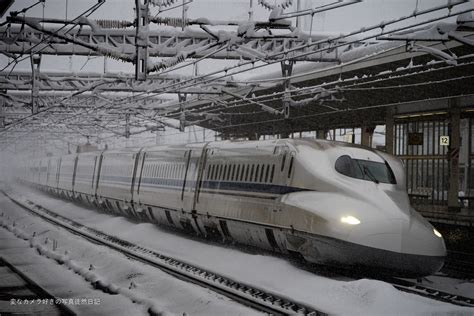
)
(190, 179)
(74, 174)
(137, 158)
(187, 161)
(138, 179)
(96, 175)
(201, 169)
(58, 169)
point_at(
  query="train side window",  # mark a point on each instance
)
(221, 169)
(283, 162)
(237, 173)
(247, 171)
(290, 167)
(233, 173)
(262, 171)
(251, 173)
(229, 172)
(242, 173)
(272, 173)
(267, 170)
(224, 173)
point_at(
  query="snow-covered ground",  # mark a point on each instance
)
(140, 288)
(335, 296)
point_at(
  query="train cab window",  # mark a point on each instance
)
(208, 172)
(365, 169)
(290, 168)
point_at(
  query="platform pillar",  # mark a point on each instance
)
(253, 136)
(35, 72)
(454, 130)
(389, 125)
(367, 134)
(321, 133)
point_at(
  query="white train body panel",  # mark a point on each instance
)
(332, 203)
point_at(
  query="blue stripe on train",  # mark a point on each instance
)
(213, 185)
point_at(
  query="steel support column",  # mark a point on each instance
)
(141, 39)
(367, 134)
(454, 130)
(286, 70)
(182, 116)
(35, 69)
(321, 133)
(389, 124)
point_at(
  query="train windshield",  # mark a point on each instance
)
(365, 169)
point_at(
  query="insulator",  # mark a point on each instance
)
(266, 4)
(176, 22)
(113, 24)
(162, 3)
(169, 62)
(113, 54)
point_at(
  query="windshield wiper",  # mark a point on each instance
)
(370, 174)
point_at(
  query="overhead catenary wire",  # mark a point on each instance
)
(194, 81)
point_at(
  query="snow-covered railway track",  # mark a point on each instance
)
(419, 289)
(251, 296)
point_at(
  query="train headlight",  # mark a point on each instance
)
(351, 220)
(437, 233)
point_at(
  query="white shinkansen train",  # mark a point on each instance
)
(332, 203)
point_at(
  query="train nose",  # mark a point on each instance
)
(406, 245)
(419, 236)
